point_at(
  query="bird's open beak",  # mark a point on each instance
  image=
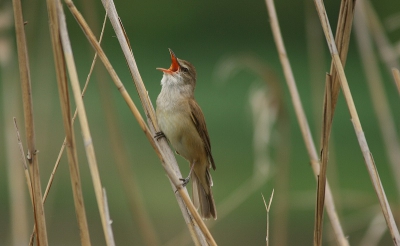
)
(174, 64)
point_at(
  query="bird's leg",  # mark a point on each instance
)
(186, 180)
(159, 135)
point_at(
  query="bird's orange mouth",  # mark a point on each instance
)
(174, 64)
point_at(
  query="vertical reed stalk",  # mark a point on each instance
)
(87, 138)
(55, 25)
(370, 164)
(32, 156)
(50, 181)
(303, 123)
(342, 40)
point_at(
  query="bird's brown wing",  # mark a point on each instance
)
(200, 123)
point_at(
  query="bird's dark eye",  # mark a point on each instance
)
(185, 69)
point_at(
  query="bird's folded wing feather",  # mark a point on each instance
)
(200, 123)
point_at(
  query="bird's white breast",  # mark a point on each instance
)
(174, 119)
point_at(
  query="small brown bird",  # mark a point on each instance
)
(182, 122)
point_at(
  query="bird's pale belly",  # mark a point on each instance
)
(182, 134)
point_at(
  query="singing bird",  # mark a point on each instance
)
(182, 122)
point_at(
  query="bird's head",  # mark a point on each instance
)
(180, 72)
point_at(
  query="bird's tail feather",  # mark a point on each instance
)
(203, 199)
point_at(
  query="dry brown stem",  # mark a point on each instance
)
(52, 175)
(326, 126)
(370, 164)
(342, 40)
(49, 183)
(303, 123)
(57, 23)
(32, 156)
(87, 139)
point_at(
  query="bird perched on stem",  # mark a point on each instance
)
(182, 122)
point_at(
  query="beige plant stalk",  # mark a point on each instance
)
(32, 155)
(370, 164)
(332, 87)
(57, 23)
(303, 123)
(90, 152)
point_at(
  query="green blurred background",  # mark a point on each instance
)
(206, 33)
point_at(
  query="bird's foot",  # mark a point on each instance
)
(159, 135)
(185, 181)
